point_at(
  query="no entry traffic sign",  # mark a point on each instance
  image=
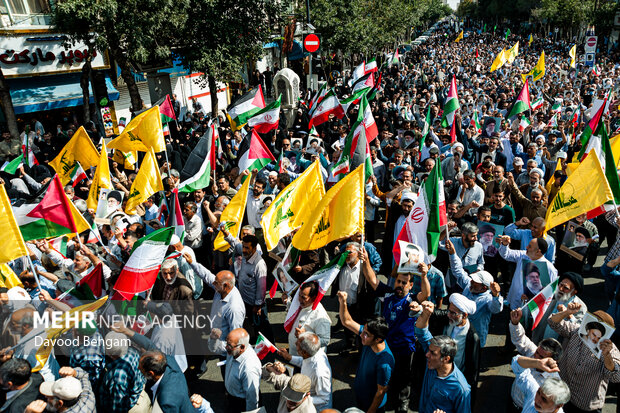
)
(312, 43)
(591, 41)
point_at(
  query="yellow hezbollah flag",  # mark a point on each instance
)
(13, 245)
(512, 53)
(573, 55)
(339, 214)
(232, 216)
(69, 320)
(81, 149)
(147, 182)
(290, 208)
(587, 188)
(529, 43)
(8, 278)
(143, 132)
(615, 147)
(499, 61)
(100, 180)
(459, 37)
(538, 71)
(127, 160)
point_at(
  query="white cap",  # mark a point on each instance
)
(174, 239)
(482, 277)
(408, 196)
(67, 388)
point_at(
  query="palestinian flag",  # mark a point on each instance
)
(538, 103)
(358, 72)
(263, 346)
(354, 99)
(166, 112)
(592, 125)
(451, 105)
(423, 225)
(377, 88)
(50, 216)
(330, 105)
(267, 119)
(540, 303)
(13, 166)
(394, 59)
(524, 123)
(196, 173)
(253, 153)
(29, 158)
(318, 98)
(475, 122)
(140, 271)
(325, 277)
(523, 101)
(245, 107)
(601, 145)
(175, 215)
(94, 280)
(364, 82)
(77, 174)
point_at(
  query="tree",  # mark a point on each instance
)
(132, 31)
(220, 35)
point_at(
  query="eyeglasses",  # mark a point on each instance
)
(454, 313)
(231, 347)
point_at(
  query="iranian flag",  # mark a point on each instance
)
(522, 103)
(371, 66)
(59, 244)
(592, 125)
(553, 122)
(140, 271)
(423, 225)
(267, 119)
(325, 277)
(263, 346)
(451, 106)
(475, 122)
(77, 174)
(175, 216)
(29, 158)
(596, 71)
(196, 173)
(314, 103)
(356, 149)
(556, 107)
(330, 105)
(540, 303)
(524, 123)
(367, 120)
(538, 103)
(253, 153)
(245, 107)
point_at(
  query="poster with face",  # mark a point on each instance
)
(575, 241)
(410, 257)
(487, 235)
(286, 283)
(535, 277)
(592, 332)
(110, 201)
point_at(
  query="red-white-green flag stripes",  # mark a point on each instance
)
(245, 107)
(77, 174)
(324, 277)
(263, 346)
(601, 145)
(366, 81)
(539, 304)
(140, 271)
(451, 106)
(426, 127)
(366, 120)
(29, 158)
(314, 103)
(267, 119)
(591, 127)
(196, 173)
(354, 99)
(253, 153)
(522, 103)
(423, 225)
(475, 122)
(329, 105)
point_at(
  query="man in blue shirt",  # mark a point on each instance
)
(444, 387)
(401, 334)
(376, 361)
(537, 226)
(468, 249)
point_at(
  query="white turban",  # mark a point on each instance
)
(463, 303)
(457, 145)
(537, 171)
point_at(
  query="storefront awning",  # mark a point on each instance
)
(36, 94)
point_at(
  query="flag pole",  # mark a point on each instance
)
(34, 271)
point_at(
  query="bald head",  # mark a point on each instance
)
(224, 282)
(538, 226)
(237, 341)
(153, 364)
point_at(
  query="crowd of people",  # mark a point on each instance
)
(416, 335)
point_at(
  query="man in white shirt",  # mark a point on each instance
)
(193, 225)
(313, 363)
(349, 281)
(470, 195)
(243, 372)
(548, 397)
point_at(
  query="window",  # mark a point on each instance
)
(26, 7)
